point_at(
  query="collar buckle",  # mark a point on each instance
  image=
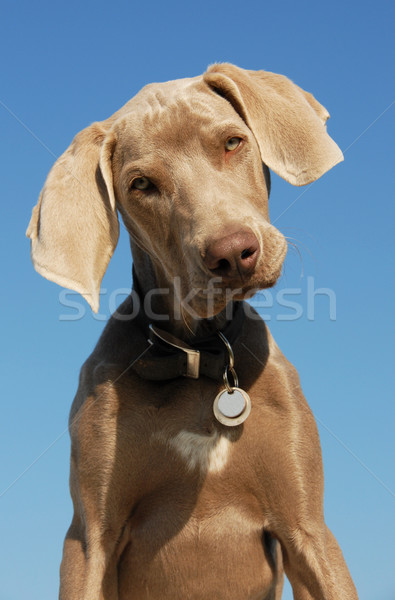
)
(193, 356)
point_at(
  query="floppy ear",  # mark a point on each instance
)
(74, 227)
(288, 123)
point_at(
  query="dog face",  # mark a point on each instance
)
(182, 162)
(188, 179)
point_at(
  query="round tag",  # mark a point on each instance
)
(232, 408)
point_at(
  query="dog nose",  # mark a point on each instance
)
(233, 255)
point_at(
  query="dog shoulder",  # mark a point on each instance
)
(265, 367)
(118, 347)
(261, 352)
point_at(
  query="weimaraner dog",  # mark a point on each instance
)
(196, 468)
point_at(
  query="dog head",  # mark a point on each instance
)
(182, 162)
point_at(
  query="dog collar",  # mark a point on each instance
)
(169, 357)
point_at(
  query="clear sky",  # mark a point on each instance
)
(66, 64)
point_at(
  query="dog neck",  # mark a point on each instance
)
(179, 347)
(162, 305)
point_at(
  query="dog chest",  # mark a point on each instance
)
(175, 555)
(209, 453)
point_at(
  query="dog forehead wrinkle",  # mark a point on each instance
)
(175, 123)
(156, 94)
(163, 93)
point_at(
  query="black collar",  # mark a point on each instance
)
(169, 357)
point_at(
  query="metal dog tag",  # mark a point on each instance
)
(231, 408)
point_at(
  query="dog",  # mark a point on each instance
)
(196, 468)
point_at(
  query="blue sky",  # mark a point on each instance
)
(65, 65)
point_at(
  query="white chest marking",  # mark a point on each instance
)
(209, 452)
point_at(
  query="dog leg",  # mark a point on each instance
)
(291, 487)
(83, 570)
(88, 570)
(313, 561)
(94, 539)
(73, 566)
(316, 568)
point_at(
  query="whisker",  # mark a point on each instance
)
(295, 247)
(304, 246)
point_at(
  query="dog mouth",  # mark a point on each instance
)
(233, 268)
(211, 296)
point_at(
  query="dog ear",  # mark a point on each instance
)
(74, 227)
(288, 123)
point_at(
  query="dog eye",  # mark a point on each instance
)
(232, 143)
(142, 184)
